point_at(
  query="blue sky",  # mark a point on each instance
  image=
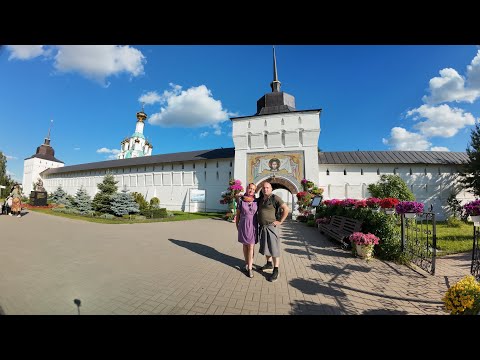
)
(373, 97)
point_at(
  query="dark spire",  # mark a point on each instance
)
(47, 139)
(275, 84)
(275, 102)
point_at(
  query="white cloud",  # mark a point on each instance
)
(442, 120)
(25, 52)
(9, 157)
(99, 61)
(77, 148)
(95, 62)
(9, 173)
(150, 98)
(401, 139)
(473, 72)
(203, 134)
(194, 107)
(439, 148)
(451, 86)
(105, 150)
(218, 129)
(113, 152)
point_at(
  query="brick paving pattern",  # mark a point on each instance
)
(193, 267)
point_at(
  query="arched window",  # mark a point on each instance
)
(328, 172)
(361, 171)
(344, 171)
(217, 164)
(283, 122)
(217, 176)
(394, 171)
(411, 171)
(249, 125)
(378, 171)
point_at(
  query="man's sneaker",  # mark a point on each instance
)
(267, 267)
(274, 276)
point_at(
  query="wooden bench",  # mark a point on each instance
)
(340, 228)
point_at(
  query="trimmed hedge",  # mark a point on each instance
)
(154, 213)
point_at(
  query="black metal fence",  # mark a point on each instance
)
(419, 240)
(475, 267)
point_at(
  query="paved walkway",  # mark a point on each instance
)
(192, 267)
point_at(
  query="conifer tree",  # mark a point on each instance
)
(83, 202)
(59, 196)
(123, 203)
(470, 174)
(108, 187)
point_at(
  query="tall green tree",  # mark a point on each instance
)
(83, 202)
(102, 200)
(470, 174)
(5, 179)
(391, 186)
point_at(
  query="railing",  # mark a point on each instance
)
(419, 240)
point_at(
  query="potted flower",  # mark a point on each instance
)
(373, 203)
(388, 205)
(463, 298)
(364, 244)
(472, 209)
(409, 208)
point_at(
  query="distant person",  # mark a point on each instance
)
(247, 226)
(16, 201)
(269, 205)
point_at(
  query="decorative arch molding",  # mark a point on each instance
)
(280, 182)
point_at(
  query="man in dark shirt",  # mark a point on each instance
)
(269, 239)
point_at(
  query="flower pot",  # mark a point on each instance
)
(475, 218)
(390, 211)
(364, 251)
(411, 215)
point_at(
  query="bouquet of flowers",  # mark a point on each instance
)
(361, 204)
(360, 238)
(463, 298)
(472, 208)
(409, 207)
(388, 203)
(373, 203)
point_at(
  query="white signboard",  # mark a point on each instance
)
(197, 195)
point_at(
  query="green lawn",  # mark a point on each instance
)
(452, 240)
(179, 216)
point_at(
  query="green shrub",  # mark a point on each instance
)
(311, 222)
(108, 216)
(377, 223)
(154, 203)
(155, 213)
(454, 222)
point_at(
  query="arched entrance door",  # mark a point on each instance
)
(285, 189)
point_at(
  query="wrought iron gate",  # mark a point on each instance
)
(419, 240)
(475, 267)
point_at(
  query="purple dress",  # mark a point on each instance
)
(248, 224)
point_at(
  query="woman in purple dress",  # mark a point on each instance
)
(247, 226)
